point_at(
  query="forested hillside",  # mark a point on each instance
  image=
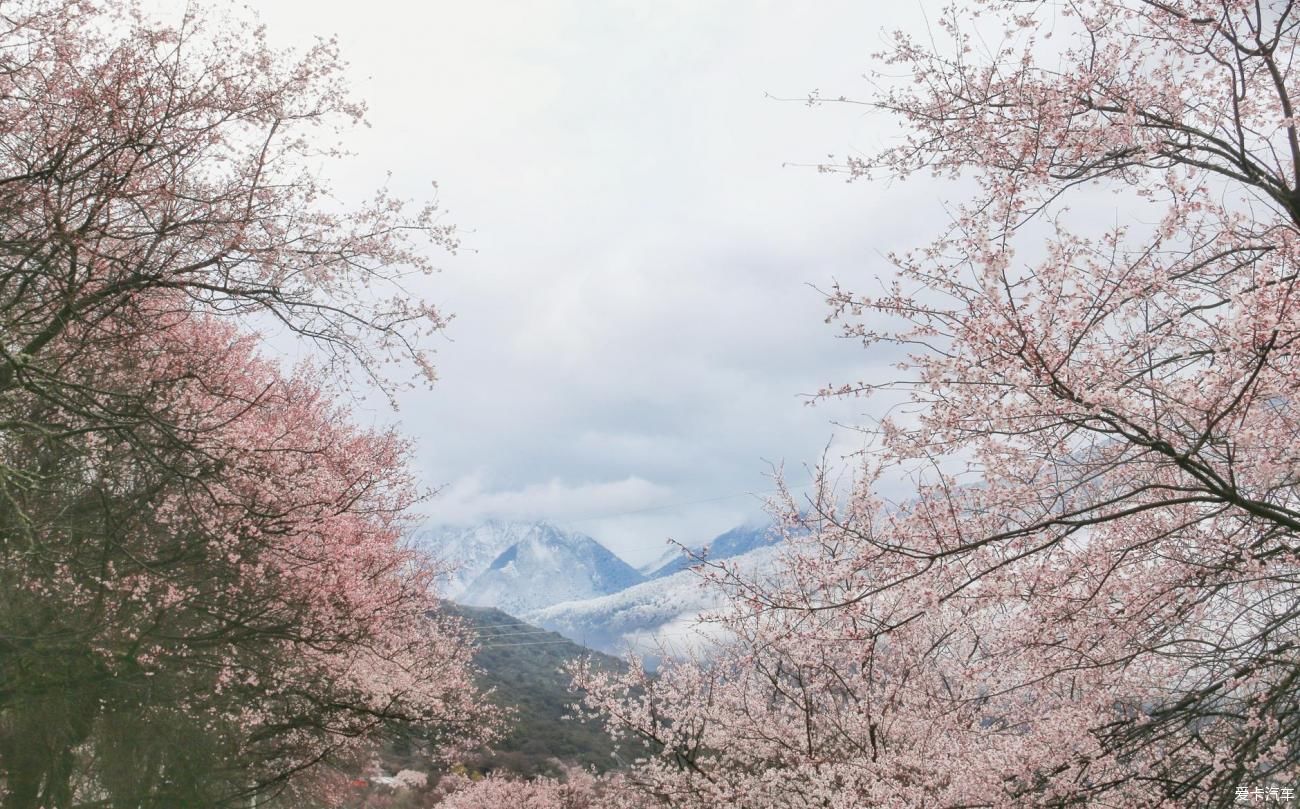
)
(523, 666)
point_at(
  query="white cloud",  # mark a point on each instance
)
(468, 500)
(634, 326)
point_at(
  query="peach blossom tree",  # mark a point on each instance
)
(575, 789)
(216, 605)
(202, 597)
(1088, 596)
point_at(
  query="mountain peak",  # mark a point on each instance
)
(468, 550)
(545, 565)
(528, 568)
(735, 542)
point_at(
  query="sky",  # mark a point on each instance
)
(637, 322)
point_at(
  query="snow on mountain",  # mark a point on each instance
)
(570, 583)
(545, 566)
(739, 540)
(468, 551)
(655, 617)
(654, 565)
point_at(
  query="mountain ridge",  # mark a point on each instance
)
(532, 565)
(568, 582)
(733, 542)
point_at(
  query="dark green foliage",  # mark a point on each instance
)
(525, 670)
(523, 667)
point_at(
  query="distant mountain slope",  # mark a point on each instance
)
(546, 566)
(469, 549)
(739, 540)
(570, 583)
(647, 569)
(523, 663)
(656, 615)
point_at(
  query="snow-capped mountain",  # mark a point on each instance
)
(546, 565)
(739, 540)
(649, 568)
(570, 583)
(468, 551)
(655, 617)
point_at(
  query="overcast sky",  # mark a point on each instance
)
(635, 327)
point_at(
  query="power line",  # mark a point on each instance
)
(532, 631)
(495, 626)
(531, 643)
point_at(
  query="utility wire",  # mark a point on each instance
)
(515, 625)
(532, 643)
(533, 631)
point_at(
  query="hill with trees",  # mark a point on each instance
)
(524, 668)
